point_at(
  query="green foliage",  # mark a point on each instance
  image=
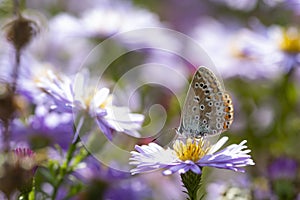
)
(191, 182)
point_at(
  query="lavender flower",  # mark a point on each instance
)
(234, 58)
(93, 174)
(273, 46)
(293, 5)
(189, 155)
(283, 168)
(44, 127)
(69, 97)
(245, 5)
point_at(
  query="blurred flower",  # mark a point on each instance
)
(98, 105)
(131, 189)
(60, 41)
(224, 44)
(17, 171)
(293, 5)
(106, 20)
(114, 184)
(262, 189)
(91, 169)
(246, 5)
(44, 128)
(273, 46)
(283, 168)
(69, 35)
(224, 190)
(190, 155)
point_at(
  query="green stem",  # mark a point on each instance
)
(64, 169)
(31, 195)
(191, 182)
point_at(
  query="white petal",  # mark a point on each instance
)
(79, 86)
(100, 97)
(218, 145)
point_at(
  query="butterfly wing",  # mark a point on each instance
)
(207, 109)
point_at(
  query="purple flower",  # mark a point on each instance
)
(224, 42)
(129, 190)
(245, 5)
(273, 46)
(44, 127)
(70, 97)
(91, 169)
(283, 168)
(293, 5)
(191, 155)
(92, 172)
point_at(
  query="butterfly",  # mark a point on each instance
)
(208, 108)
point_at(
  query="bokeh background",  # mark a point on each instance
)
(254, 45)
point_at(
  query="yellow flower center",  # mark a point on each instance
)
(290, 41)
(193, 149)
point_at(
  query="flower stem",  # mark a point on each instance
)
(16, 70)
(64, 169)
(191, 181)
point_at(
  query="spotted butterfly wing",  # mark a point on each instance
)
(208, 109)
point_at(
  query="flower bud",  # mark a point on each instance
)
(17, 170)
(20, 31)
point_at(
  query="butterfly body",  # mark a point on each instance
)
(208, 109)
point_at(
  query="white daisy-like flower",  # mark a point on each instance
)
(273, 46)
(190, 154)
(69, 98)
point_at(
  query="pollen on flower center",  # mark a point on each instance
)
(88, 100)
(106, 102)
(193, 149)
(290, 41)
